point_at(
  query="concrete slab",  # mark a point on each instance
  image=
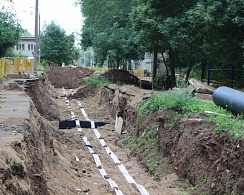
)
(14, 110)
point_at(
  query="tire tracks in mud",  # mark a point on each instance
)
(104, 154)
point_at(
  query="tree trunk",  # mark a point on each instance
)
(109, 64)
(204, 65)
(189, 71)
(154, 68)
(172, 68)
(129, 62)
(118, 62)
(166, 66)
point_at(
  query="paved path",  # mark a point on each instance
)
(14, 110)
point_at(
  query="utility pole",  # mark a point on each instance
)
(39, 37)
(36, 39)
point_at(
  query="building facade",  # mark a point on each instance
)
(26, 47)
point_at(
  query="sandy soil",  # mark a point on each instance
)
(96, 112)
(46, 160)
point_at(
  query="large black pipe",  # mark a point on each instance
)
(230, 99)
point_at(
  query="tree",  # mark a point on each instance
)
(10, 30)
(194, 33)
(206, 33)
(56, 46)
(148, 17)
(25, 33)
(108, 30)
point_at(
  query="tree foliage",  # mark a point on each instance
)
(194, 33)
(25, 33)
(56, 46)
(10, 30)
(108, 30)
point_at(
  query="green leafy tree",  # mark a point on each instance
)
(207, 33)
(56, 46)
(194, 33)
(148, 18)
(25, 33)
(10, 30)
(108, 30)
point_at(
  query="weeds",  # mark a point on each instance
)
(174, 100)
(203, 181)
(96, 80)
(144, 143)
(184, 102)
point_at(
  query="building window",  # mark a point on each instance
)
(23, 46)
(29, 47)
(32, 47)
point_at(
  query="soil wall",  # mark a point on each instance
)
(213, 164)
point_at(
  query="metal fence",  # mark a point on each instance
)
(232, 78)
(15, 65)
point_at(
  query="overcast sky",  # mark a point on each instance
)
(63, 12)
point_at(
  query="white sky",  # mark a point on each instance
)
(63, 12)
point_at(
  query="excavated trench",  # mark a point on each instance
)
(212, 163)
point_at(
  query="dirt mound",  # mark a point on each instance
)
(14, 87)
(68, 77)
(84, 92)
(121, 77)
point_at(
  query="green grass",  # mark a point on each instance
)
(186, 103)
(96, 80)
(142, 145)
(146, 141)
(203, 181)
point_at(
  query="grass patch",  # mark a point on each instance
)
(186, 103)
(145, 144)
(96, 80)
(203, 181)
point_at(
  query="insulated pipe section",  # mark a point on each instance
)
(230, 99)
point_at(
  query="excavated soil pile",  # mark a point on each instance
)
(84, 92)
(14, 87)
(121, 77)
(68, 77)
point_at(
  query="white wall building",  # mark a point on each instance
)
(26, 46)
(147, 64)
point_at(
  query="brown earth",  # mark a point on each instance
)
(68, 77)
(44, 161)
(121, 77)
